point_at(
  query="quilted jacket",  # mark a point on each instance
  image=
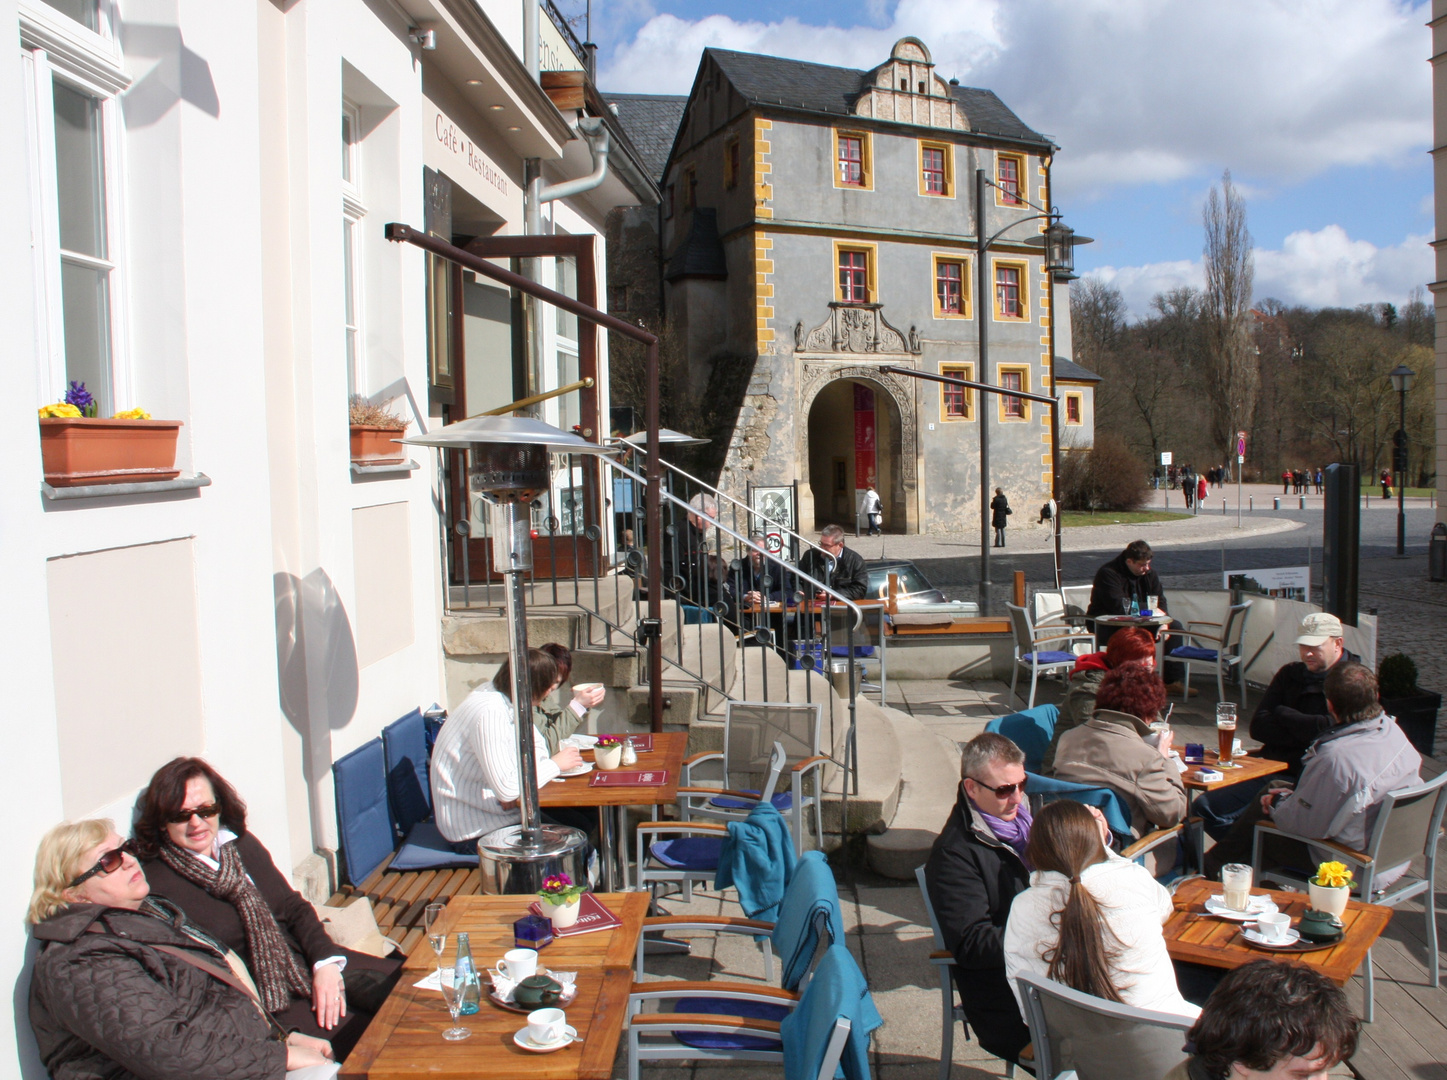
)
(110, 1006)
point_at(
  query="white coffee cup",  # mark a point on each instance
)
(518, 964)
(588, 686)
(546, 1026)
(1273, 927)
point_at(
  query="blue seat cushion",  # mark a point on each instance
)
(859, 650)
(783, 802)
(688, 852)
(723, 1040)
(427, 849)
(1050, 657)
(1191, 652)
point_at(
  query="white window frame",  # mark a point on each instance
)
(55, 47)
(353, 211)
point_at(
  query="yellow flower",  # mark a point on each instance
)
(1333, 875)
(60, 410)
(132, 414)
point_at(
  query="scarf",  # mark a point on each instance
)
(277, 972)
(1015, 832)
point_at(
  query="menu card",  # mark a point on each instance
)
(591, 916)
(630, 778)
(642, 743)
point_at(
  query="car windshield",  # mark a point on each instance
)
(910, 579)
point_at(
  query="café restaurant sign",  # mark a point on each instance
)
(451, 150)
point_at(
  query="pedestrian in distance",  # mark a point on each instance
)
(1285, 481)
(999, 515)
(1318, 481)
(1200, 491)
(872, 508)
(1386, 484)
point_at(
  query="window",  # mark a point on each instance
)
(951, 290)
(1009, 170)
(1009, 291)
(852, 166)
(1014, 378)
(353, 211)
(668, 201)
(934, 167)
(731, 162)
(957, 402)
(1074, 408)
(856, 274)
(617, 297)
(690, 188)
(85, 12)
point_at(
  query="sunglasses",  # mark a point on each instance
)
(1004, 791)
(181, 817)
(108, 863)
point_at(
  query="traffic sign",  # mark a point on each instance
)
(1165, 457)
(773, 543)
(1241, 444)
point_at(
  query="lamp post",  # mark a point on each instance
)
(1402, 379)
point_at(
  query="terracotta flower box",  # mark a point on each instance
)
(372, 445)
(80, 451)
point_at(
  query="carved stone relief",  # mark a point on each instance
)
(855, 329)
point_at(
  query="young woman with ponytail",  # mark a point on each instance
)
(1090, 919)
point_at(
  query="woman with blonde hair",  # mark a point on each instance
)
(1090, 919)
(125, 986)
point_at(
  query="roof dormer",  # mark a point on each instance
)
(906, 89)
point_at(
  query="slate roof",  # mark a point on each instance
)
(1069, 371)
(651, 121)
(822, 88)
(701, 254)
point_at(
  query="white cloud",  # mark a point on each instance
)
(1326, 268)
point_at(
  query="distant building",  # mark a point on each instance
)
(818, 223)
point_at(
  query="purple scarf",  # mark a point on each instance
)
(1015, 832)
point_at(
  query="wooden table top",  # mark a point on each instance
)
(405, 1038)
(667, 753)
(1251, 768)
(1193, 935)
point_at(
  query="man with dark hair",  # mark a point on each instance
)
(1270, 1021)
(1128, 577)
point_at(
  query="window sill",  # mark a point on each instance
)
(149, 487)
(400, 469)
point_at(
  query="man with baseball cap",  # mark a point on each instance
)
(1289, 719)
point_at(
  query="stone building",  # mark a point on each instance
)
(818, 224)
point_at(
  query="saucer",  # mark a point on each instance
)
(582, 770)
(524, 1040)
(1257, 905)
(1250, 934)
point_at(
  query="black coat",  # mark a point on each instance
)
(999, 511)
(850, 579)
(1114, 582)
(110, 1006)
(1293, 713)
(972, 879)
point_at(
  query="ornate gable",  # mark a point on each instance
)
(906, 89)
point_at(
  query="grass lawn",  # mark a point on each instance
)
(1073, 518)
(1412, 492)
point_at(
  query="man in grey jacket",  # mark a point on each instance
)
(1345, 775)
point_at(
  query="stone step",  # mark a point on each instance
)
(930, 776)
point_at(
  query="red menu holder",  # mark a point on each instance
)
(592, 916)
(630, 778)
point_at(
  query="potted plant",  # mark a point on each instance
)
(1414, 708)
(561, 900)
(374, 427)
(609, 752)
(79, 448)
(1330, 889)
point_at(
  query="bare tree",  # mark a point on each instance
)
(1233, 369)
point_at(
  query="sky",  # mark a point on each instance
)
(1320, 109)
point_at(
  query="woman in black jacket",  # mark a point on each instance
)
(124, 986)
(999, 513)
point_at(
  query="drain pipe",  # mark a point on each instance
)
(531, 38)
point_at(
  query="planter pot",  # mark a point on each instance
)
(608, 757)
(77, 452)
(1417, 717)
(562, 915)
(1333, 900)
(373, 445)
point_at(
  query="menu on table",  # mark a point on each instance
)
(592, 916)
(630, 778)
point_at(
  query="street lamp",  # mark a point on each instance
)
(1402, 379)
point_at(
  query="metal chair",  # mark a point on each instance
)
(1099, 1039)
(751, 729)
(1225, 655)
(1030, 655)
(1408, 824)
(1031, 731)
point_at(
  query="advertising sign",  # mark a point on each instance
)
(1282, 582)
(864, 445)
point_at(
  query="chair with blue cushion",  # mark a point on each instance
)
(364, 820)
(1048, 648)
(1030, 730)
(1046, 789)
(1223, 652)
(409, 793)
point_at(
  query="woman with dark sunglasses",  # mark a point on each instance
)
(192, 838)
(126, 986)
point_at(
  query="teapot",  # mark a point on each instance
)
(538, 991)
(1319, 926)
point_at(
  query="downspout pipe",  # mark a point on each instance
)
(595, 134)
(531, 38)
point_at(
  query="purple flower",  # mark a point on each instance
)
(79, 396)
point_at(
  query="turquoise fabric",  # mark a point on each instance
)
(837, 989)
(758, 860)
(796, 932)
(1030, 730)
(1117, 814)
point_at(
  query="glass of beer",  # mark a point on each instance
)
(1236, 885)
(1225, 730)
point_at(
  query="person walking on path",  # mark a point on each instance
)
(999, 513)
(1188, 488)
(1318, 481)
(1386, 484)
(1201, 490)
(872, 508)
(1285, 481)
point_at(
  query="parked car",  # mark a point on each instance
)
(915, 590)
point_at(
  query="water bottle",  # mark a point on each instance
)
(465, 977)
(1135, 604)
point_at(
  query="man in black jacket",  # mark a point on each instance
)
(847, 575)
(1130, 576)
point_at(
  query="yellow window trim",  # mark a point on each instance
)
(866, 157)
(967, 283)
(1079, 399)
(1019, 160)
(958, 371)
(1023, 266)
(1024, 371)
(949, 159)
(871, 268)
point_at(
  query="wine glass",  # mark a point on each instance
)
(430, 917)
(452, 993)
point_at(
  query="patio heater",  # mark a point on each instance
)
(511, 466)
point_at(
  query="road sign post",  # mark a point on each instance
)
(1240, 461)
(1166, 487)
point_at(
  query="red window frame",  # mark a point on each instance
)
(850, 158)
(950, 286)
(1007, 292)
(1013, 380)
(854, 276)
(1007, 175)
(1072, 409)
(955, 399)
(933, 164)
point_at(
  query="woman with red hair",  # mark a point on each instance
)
(1129, 645)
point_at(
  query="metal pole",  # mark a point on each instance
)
(1055, 393)
(1401, 488)
(514, 529)
(984, 307)
(653, 507)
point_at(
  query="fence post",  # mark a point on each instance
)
(1019, 588)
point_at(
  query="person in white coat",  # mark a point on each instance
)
(872, 507)
(1090, 919)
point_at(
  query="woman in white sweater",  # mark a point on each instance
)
(1090, 919)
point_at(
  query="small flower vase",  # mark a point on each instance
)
(562, 915)
(1329, 898)
(608, 757)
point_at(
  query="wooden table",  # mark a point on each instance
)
(1203, 939)
(1251, 768)
(667, 754)
(405, 1039)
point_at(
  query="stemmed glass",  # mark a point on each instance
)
(452, 993)
(430, 916)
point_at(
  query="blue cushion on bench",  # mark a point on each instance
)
(428, 849)
(1192, 652)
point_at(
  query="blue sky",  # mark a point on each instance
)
(1320, 108)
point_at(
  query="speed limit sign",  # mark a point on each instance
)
(773, 543)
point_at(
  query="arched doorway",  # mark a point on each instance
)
(853, 425)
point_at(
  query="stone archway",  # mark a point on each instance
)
(901, 511)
